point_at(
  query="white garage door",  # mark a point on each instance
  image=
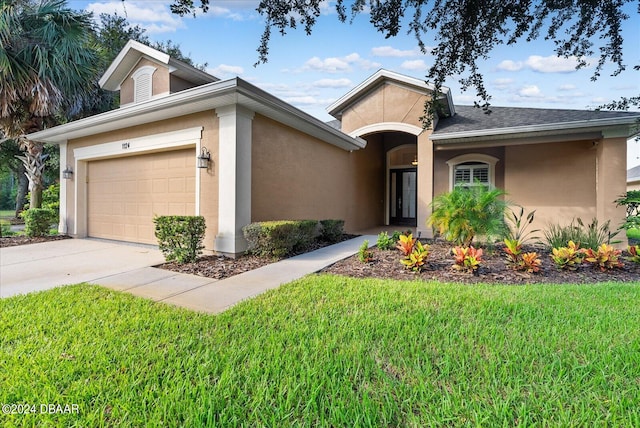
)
(124, 194)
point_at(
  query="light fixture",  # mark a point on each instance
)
(204, 158)
(414, 162)
(67, 174)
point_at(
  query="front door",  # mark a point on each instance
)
(404, 195)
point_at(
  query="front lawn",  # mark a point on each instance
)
(329, 351)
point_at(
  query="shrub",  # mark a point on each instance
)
(569, 257)
(530, 263)
(180, 237)
(467, 212)
(405, 244)
(631, 202)
(467, 258)
(37, 221)
(634, 252)
(589, 236)
(417, 258)
(385, 242)
(5, 228)
(279, 238)
(331, 230)
(364, 255)
(605, 257)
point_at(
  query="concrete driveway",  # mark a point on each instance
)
(36, 267)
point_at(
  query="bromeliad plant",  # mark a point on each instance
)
(569, 257)
(605, 257)
(417, 259)
(467, 258)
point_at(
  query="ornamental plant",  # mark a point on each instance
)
(517, 260)
(405, 244)
(385, 242)
(634, 251)
(417, 259)
(569, 257)
(467, 212)
(467, 258)
(364, 255)
(605, 257)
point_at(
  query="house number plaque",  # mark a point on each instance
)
(125, 146)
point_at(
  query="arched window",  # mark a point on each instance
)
(471, 170)
(143, 83)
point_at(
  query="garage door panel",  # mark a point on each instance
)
(124, 194)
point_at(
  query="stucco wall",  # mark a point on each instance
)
(209, 180)
(160, 81)
(387, 103)
(295, 176)
(558, 180)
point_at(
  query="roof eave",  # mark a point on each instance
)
(201, 98)
(533, 129)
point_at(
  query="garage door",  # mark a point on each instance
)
(124, 194)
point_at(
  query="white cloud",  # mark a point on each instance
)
(508, 65)
(502, 83)
(155, 17)
(332, 83)
(226, 70)
(415, 65)
(388, 51)
(542, 64)
(338, 65)
(567, 87)
(530, 91)
(552, 64)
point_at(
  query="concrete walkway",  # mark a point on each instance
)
(213, 296)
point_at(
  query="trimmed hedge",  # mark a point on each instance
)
(180, 237)
(37, 221)
(280, 238)
(331, 230)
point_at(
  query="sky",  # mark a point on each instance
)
(311, 72)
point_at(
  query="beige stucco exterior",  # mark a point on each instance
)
(269, 161)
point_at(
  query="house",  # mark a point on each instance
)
(374, 165)
(633, 178)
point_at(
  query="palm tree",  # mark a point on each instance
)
(46, 66)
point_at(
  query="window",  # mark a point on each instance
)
(471, 173)
(470, 169)
(143, 83)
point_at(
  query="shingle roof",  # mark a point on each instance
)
(469, 118)
(633, 173)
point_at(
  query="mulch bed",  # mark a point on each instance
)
(386, 264)
(12, 241)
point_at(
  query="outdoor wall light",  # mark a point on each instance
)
(204, 158)
(67, 174)
(414, 162)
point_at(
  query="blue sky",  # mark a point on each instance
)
(311, 72)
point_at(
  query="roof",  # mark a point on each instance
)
(201, 98)
(471, 122)
(380, 77)
(633, 174)
(131, 54)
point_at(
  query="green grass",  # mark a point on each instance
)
(7, 214)
(329, 351)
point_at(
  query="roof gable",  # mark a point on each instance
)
(131, 55)
(378, 79)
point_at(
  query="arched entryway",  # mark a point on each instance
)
(398, 144)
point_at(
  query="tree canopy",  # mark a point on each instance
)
(466, 31)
